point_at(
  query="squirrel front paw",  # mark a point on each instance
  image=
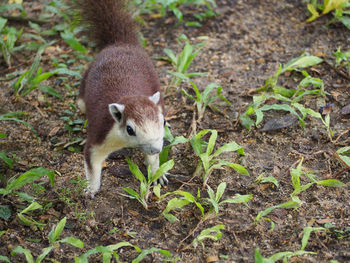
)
(163, 180)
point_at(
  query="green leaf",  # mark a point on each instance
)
(330, 182)
(5, 212)
(26, 252)
(72, 41)
(238, 168)
(220, 191)
(42, 77)
(3, 22)
(31, 207)
(270, 179)
(43, 254)
(163, 169)
(303, 61)
(229, 147)
(306, 235)
(56, 232)
(65, 71)
(73, 241)
(238, 199)
(212, 140)
(143, 254)
(313, 11)
(213, 233)
(28, 177)
(51, 91)
(132, 192)
(4, 258)
(174, 203)
(136, 171)
(7, 160)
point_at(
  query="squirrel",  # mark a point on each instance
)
(119, 91)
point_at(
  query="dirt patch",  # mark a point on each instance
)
(247, 40)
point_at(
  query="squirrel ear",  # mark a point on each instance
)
(155, 97)
(116, 111)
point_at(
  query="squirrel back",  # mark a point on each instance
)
(109, 22)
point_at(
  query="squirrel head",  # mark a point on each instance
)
(141, 122)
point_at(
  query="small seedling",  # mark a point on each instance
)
(266, 179)
(183, 60)
(214, 198)
(295, 202)
(342, 59)
(212, 233)
(213, 201)
(8, 39)
(258, 258)
(208, 160)
(178, 203)
(290, 98)
(146, 184)
(205, 98)
(53, 236)
(338, 233)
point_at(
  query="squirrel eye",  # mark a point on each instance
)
(130, 131)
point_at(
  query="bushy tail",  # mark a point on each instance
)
(108, 21)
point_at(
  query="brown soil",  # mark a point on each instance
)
(247, 40)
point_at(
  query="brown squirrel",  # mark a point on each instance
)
(119, 92)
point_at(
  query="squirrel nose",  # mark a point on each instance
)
(154, 150)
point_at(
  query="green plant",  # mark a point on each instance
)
(25, 217)
(214, 198)
(340, 8)
(146, 183)
(212, 202)
(30, 176)
(152, 6)
(258, 258)
(163, 156)
(344, 155)
(288, 99)
(295, 202)
(203, 99)
(110, 251)
(16, 117)
(209, 160)
(8, 39)
(338, 233)
(342, 59)
(212, 233)
(183, 60)
(53, 236)
(73, 126)
(266, 179)
(31, 78)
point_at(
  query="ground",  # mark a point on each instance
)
(246, 42)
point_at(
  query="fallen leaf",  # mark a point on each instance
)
(212, 259)
(279, 123)
(345, 110)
